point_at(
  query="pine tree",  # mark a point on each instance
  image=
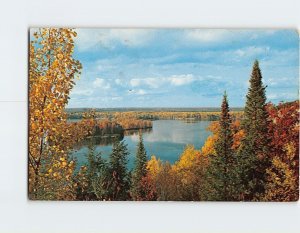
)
(253, 155)
(97, 176)
(119, 177)
(222, 168)
(140, 171)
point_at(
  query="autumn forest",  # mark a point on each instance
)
(251, 153)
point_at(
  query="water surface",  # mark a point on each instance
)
(166, 140)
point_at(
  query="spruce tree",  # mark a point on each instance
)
(222, 168)
(119, 177)
(140, 171)
(253, 156)
(97, 176)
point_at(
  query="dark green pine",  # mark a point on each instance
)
(141, 159)
(119, 176)
(140, 170)
(222, 168)
(255, 146)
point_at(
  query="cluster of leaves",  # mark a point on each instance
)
(52, 71)
(283, 173)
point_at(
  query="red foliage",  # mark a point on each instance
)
(283, 126)
(283, 131)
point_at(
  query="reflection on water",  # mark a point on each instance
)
(167, 139)
(110, 138)
(136, 132)
(100, 140)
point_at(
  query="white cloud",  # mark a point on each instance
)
(225, 35)
(174, 80)
(141, 92)
(105, 67)
(150, 82)
(251, 51)
(137, 92)
(118, 81)
(106, 38)
(207, 35)
(101, 83)
(85, 92)
(135, 82)
(179, 80)
(117, 98)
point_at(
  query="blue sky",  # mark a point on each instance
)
(182, 67)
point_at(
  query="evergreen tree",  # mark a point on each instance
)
(253, 155)
(119, 183)
(222, 168)
(140, 172)
(95, 176)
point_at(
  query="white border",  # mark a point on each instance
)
(17, 214)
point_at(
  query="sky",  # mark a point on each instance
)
(182, 67)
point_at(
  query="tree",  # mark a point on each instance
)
(93, 185)
(283, 183)
(119, 183)
(52, 70)
(154, 166)
(221, 171)
(140, 172)
(283, 174)
(166, 184)
(186, 172)
(254, 150)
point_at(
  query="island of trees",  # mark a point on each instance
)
(248, 158)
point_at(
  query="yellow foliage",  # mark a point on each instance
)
(154, 166)
(187, 158)
(208, 147)
(283, 184)
(51, 73)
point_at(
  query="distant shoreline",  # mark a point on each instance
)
(164, 109)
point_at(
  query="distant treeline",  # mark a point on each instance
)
(134, 116)
(105, 130)
(113, 110)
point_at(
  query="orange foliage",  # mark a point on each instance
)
(51, 73)
(238, 135)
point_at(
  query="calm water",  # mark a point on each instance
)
(166, 141)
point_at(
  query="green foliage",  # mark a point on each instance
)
(119, 184)
(221, 172)
(137, 191)
(95, 177)
(253, 156)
